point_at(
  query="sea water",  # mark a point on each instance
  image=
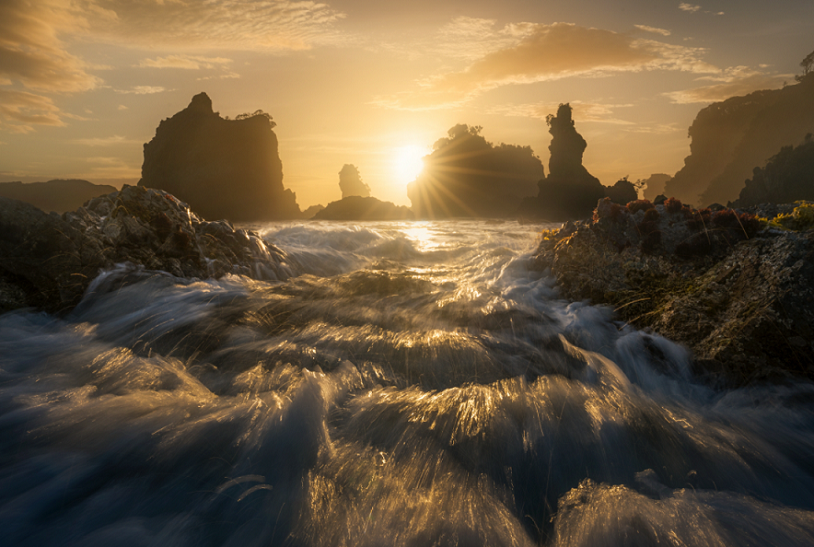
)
(415, 384)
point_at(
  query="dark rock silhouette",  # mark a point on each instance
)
(623, 192)
(222, 168)
(739, 297)
(654, 185)
(311, 211)
(731, 138)
(363, 208)
(788, 176)
(58, 195)
(350, 182)
(466, 176)
(569, 191)
(48, 260)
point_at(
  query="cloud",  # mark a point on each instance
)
(31, 51)
(692, 8)
(142, 90)
(275, 25)
(582, 111)
(20, 111)
(189, 62)
(122, 107)
(106, 141)
(732, 82)
(654, 30)
(549, 52)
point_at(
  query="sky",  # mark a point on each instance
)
(374, 83)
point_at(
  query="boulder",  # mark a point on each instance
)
(363, 208)
(48, 261)
(223, 168)
(739, 296)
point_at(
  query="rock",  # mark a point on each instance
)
(732, 137)
(742, 302)
(360, 208)
(222, 168)
(654, 185)
(788, 176)
(48, 261)
(350, 182)
(57, 195)
(311, 211)
(569, 191)
(466, 176)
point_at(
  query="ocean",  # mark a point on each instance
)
(414, 384)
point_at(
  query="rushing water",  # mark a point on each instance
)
(415, 385)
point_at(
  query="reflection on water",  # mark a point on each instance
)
(415, 385)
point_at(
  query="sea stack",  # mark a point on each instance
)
(222, 168)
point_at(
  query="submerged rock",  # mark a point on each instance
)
(740, 297)
(48, 261)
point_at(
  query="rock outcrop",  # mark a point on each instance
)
(48, 260)
(466, 176)
(57, 195)
(731, 138)
(361, 208)
(222, 168)
(654, 185)
(788, 176)
(569, 191)
(351, 184)
(740, 297)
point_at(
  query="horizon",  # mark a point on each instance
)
(374, 84)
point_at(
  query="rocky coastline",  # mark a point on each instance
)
(734, 288)
(47, 261)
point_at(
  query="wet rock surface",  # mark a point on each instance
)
(48, 260)
(739, 295)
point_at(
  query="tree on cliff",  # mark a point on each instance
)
(350, 182)
(467, 176)
(807, 63)
(221, 168)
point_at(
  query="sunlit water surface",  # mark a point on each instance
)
(415, 385)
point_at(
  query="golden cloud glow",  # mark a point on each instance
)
(550, 52)
(21, 110)
(188, 62)
(730, 83)
(654, 30)
(582, 111)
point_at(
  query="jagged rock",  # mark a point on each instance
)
(311, 211)
(222, 168)
(654, 185)
(732, 137)
(744, 306)
(569, 191)
(466, 176)
(48, 261)
(361, 208)
(57, 195)
(350, 182)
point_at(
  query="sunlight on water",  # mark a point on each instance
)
(415, 384)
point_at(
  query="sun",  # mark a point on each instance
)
(407, 162)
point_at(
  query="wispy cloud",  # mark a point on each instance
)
(142, 90)
(31, 51)
(188, 62)
(653, 30)
(692, 8)
(106, 141)
(20, 111)
(549, 52)
(582, 111)
(732, 82)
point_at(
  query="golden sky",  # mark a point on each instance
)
(84, 83)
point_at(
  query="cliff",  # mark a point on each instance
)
(222, 168)
(57, 195)
(788, 176)
(466, 176)
(48, 261)
(731, 138)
